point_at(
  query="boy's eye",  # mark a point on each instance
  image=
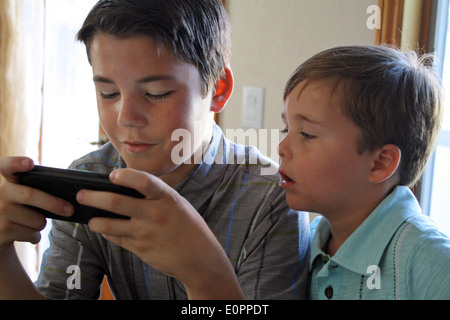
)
(158, 97)
(284, 131)
(307, 136)
(107, 96)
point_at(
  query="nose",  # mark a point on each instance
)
(283, 148)
(131, 113)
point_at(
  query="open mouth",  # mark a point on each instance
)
(286, 180)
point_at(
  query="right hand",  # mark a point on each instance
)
(18, 222)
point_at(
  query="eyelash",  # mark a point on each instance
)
(159, 97)
(108, 96)
(305, 135)
(150, 96)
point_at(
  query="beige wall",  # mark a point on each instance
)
(272, 37)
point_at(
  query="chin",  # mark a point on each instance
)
(296, 202)
(293, 202)
(156, 169)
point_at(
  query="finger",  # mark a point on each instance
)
(11, 165)
(111, 227)
(23, 195)
(26, 230)
(112, 202)
(116, 231)
(149, 185)
(126, 243)
(29, 218)
(119, 241)
(23, 234)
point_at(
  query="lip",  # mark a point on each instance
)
(137, 146)
(286, 182)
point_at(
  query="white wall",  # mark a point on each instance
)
(272, 37)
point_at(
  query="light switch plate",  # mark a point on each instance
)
(253, 107)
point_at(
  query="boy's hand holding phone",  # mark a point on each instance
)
(164, 230)
(18, 220)
(65, 184)
(155, 222)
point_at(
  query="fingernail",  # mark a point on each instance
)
(113, 175)
(80, 196)
(67, 210)
(26, 163)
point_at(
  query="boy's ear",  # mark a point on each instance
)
(223, 91)
(385, 163)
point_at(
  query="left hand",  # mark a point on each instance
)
(166, 232)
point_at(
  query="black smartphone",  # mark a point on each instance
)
(65, 184)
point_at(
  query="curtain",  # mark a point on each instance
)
(405, 24)
(21, 66)
(12, 78)
(21, 60)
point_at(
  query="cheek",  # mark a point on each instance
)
(320, 170)
(107, 116)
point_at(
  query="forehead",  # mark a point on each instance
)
(139, 45)
(136, 57)
(314, 96)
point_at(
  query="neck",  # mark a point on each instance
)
(345, 221)
(341, 229)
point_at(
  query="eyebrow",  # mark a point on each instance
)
(300, 117)
(140, 81)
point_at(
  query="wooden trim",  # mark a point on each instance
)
(425, 19)
(391, 22)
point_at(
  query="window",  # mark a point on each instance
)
(56, 61)
(70, 119)
(435, 198)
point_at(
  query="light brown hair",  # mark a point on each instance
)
(392, 96)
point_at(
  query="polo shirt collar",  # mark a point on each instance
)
(366, 245)
(201, 184)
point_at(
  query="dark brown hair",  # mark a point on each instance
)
(392, 96)
(195, 31)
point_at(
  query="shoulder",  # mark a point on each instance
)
(421, 231)
(426, 257)
(253, 173)
(250, 161)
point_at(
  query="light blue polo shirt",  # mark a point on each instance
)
(396, 253)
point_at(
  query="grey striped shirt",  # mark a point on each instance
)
(267, 243)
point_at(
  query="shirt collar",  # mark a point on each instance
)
(366, 244)
(200, 185)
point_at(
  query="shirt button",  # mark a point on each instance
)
(329, 292)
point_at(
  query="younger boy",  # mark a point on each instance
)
(361, 122)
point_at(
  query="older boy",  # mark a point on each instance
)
(208, 230)
(361, 123)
